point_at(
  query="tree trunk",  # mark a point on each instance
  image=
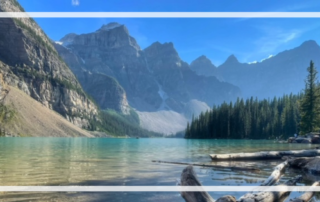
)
(275, 175)
(189, 178)
(249, 169)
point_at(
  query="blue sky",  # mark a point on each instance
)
(248, 39)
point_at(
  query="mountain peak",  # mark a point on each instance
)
(309, 43)
(109, 26)
(162, 46)
(232, 59)
(202, 60)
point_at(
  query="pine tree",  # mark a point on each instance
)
(310, 103)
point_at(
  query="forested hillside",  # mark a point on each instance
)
(250, 119)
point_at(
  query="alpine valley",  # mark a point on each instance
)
(102, 83)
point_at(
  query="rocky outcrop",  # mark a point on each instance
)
(105, 90)
(33, 65)
(154, 79)
(311, 138)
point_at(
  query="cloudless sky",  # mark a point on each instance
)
(248, 39)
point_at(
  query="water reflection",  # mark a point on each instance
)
(99, 161)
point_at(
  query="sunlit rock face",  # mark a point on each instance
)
(105, 90)
(33, 65)
(112, 51)
(154, 78)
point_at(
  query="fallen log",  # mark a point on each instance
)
(275, 175)
(271, 180)
(306, 196)
(249, 169)
(189, 178)
(264, 155)
(271, 196)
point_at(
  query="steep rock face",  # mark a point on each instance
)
(33, 61)
(105, 90)
(113, 52)
(203, 66)
(168, 70)
(283, 73)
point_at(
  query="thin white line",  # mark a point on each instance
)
(160, 14)
(154, 188)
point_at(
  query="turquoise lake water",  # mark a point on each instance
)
(107, 161)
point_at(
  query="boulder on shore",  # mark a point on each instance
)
(315, 139)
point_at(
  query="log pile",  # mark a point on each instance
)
(189, 178)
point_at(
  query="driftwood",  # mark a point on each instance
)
(249, 169)
(189, 178)
(270, 196)
(306, 196)
(275, 175)
(265, 155)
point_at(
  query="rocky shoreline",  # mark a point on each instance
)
(311, 138)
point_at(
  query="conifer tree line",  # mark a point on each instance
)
(262, 119)
(248, 119)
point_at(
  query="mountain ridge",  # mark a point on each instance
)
(280, 74)
(142, 73)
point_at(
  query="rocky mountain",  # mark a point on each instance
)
(283, 73)
(31, 63)
(154, 79)
(20, 115)
(180, 83)
(105, 90)
(203, 66)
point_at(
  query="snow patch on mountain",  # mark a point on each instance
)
(270, 56)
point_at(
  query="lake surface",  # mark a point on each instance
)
(104, 161)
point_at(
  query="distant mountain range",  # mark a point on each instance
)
(154, 78)
(82, 75)
(283, 73)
